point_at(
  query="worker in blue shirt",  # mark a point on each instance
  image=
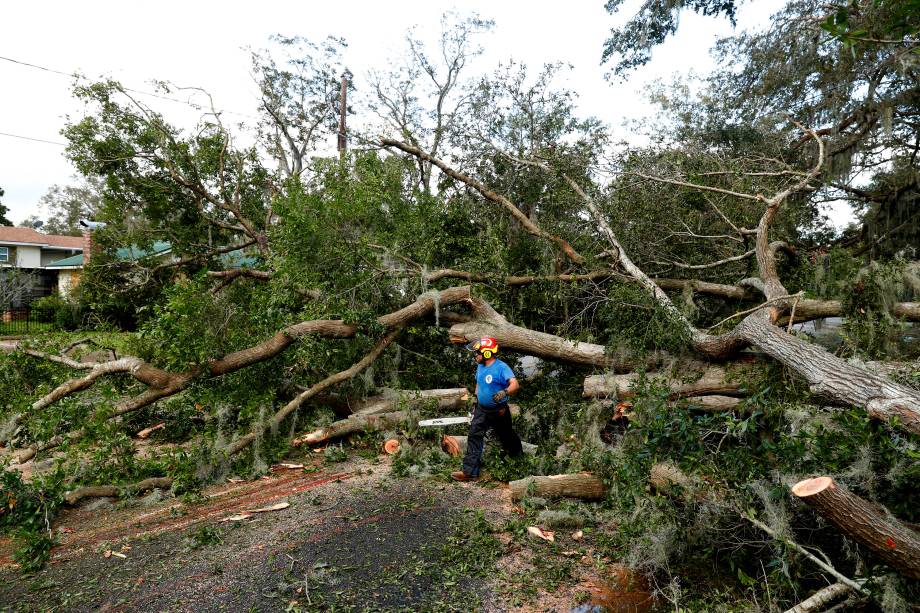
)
(495, 383)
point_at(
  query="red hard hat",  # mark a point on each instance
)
(486, 345)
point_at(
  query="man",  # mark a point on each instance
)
(495, 383)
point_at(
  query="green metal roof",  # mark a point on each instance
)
(233, 259)
(128, 254)
(74, 260)
(125, 254)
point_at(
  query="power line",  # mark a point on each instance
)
(197, 107)
(37, 140)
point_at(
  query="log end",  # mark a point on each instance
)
(810, 487)
(391, 446)
(450, 445)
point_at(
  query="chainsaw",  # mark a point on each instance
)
(444, 421)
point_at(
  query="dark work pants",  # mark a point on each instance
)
(499, 419)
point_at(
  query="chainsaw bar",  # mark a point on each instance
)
(444, 421)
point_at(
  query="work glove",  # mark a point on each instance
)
(500, 396)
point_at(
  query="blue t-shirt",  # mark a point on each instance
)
(491, 379)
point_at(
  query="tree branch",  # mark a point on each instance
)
(526, 223)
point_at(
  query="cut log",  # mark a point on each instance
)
(714, 404)
(865, 523)
(344, 427)
(581, 485)
(111, 491)
(821, 599)
(446, 399)
(712, 381)
(456, 446)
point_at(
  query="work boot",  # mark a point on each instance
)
(462, 476)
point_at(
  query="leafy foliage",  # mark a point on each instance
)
(3, 212)
(26, 512)
(652, 24)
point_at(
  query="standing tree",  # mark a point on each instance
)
(424, 97)
(3, 211)
(65, 205)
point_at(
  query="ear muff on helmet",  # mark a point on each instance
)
(487, 354)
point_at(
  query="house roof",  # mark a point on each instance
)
(232, 259)
(135, 253)
(122, 253)
(28, 236)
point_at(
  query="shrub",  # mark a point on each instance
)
(56, 310)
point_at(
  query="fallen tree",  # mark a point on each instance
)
(352, 425)
(162, 384)
(866, 523)
(713, 381)
(443, 399)
(829, 377)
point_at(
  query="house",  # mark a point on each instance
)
(68, 269)
(57, 262)
(32, 252)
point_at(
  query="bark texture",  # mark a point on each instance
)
(487, 322)
(836, 379)
(714, 380)
(581, 485)
(110, 491)
(446, 399)
(821, 599)
(352, 425)
(865, 523)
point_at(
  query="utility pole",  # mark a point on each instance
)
(342, 108)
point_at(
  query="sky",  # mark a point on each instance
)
(206, 44)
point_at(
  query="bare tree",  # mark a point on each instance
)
(15, 286)
(423, 98)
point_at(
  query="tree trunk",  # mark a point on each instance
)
(821, 599)
(834, 378)
(456, 446)
(865, 523)
(344, 427)
(111, 491)
(713, 381)
(446, 399)
(582, 485)
(487, 322)
(705, 404)
(714, 404)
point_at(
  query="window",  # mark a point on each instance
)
(4, 254)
